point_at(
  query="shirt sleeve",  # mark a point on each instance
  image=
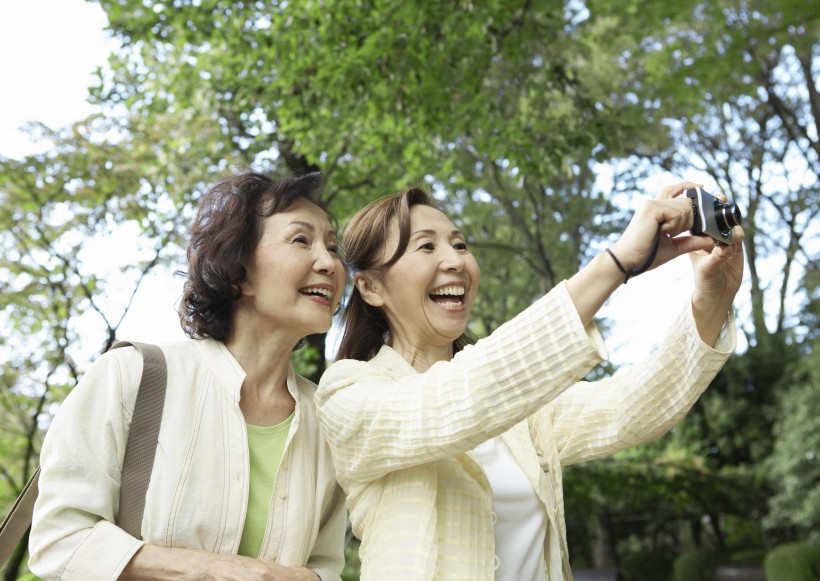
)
(73, 535)
(640, 403)
(380, 418)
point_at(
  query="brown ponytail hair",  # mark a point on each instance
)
(365, 238)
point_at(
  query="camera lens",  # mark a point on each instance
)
(727, 216)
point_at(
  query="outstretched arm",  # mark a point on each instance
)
(382, 415)
(640, 403)
(596, 419)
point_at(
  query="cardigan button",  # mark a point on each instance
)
(496, 562)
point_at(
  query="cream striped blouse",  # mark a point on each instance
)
(402, 441)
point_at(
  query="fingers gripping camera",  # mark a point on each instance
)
(713, 217)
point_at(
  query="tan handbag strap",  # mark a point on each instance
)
(18, 519)
(143, 435)
(138, 463)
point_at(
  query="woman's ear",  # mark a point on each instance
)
(246, 288)
(370, 289)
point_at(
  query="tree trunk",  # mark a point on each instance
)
(603, 549)
(317, 342)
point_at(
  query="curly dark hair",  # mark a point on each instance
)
(223, 237)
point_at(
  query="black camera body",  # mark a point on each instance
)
(713, 217)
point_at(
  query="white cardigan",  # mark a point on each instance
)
(198, 493)
(402, 441)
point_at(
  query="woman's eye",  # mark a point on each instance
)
(427, 246)
(460, 246)
(333, 249)
(300, 240)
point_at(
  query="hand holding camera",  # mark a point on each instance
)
(715, 248)
(651, 236)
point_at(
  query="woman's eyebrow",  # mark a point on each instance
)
(303, 224)
(431, 232)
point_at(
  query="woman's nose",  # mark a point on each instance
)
(326, 261)
(453, 260)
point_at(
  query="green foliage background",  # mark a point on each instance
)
(536, 124)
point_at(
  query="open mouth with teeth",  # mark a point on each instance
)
(448, 297)
(317, 293)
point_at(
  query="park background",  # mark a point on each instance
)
(539, 125)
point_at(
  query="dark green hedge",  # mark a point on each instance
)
(646, 565)
(793, 562)
(695, 564)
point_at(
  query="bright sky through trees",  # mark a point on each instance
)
(49, 50)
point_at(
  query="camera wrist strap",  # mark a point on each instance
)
(632, 272)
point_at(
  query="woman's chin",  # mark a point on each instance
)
(452, 334)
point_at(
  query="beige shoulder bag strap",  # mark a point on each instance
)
(140, 450)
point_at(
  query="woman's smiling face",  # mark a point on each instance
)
(427, 294)
(295, 277)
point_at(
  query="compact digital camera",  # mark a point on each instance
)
(713, 217)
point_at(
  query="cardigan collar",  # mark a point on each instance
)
(222, 364)
(227, 371)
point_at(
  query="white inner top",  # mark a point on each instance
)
(520, 518)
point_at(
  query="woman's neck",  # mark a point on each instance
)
(265, 359)
(423, 357)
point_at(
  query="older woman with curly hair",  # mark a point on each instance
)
(243, 484)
